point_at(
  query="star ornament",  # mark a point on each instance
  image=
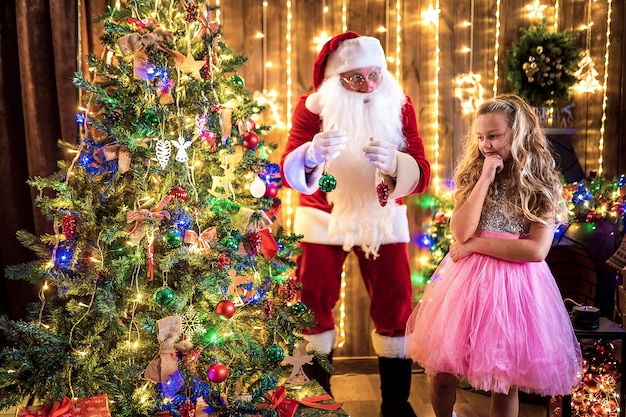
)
(190, 66)
(535, 10)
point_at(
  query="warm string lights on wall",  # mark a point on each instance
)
(556, 15)
(344, 16)
(288, 197)
(604, 84)
(431, 16)
(496, 63)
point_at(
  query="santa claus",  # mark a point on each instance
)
(353, 152)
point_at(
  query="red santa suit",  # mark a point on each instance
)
(378, 235)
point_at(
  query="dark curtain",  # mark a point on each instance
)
(39, 54)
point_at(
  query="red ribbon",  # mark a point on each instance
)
(287, 407)
(62, 408)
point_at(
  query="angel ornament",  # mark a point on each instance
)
(182, 145)
(299, 358)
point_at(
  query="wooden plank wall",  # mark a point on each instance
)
(290, 76)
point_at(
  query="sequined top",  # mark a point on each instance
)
(492, 217)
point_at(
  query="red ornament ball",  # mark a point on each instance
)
(225, 309)
(250, 140)
(179, 193)
(217, 373)
(271, 191)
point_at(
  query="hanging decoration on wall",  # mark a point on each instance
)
(535, 10)
(467, 87)
(541, 65)
(587, 74)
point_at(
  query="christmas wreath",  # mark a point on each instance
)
(541, 65)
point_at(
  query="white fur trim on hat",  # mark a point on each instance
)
(388, 347)
(323, 342)
(313, 103)
(361, 52)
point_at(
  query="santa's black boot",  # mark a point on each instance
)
(395, 387)
(316, 372)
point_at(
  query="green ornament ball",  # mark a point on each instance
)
(230, 243)
(173, 238)
(327, 183)
(165, 297)
(299, 308)
(275, 354)
(151, 117)
(236, 79)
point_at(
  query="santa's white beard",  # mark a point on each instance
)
(357, 216)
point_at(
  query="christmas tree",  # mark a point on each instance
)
(166, 285)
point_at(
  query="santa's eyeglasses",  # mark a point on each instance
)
(357, 81)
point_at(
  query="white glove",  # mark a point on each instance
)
(382, 155)
(325, 146)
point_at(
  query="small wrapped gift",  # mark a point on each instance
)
(63, 408)
(93, 407)
(85, 407)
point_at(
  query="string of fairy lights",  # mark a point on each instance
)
(432, 17)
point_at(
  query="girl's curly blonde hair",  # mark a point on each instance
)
(534, 190)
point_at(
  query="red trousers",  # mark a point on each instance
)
(387, 280)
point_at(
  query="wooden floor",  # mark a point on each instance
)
(356, 384)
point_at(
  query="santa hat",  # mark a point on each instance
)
(345, 52)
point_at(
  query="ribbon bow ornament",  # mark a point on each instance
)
(201, 242)
(286, 407)
(206, 24)
(136, 44)
(135, 219)
(166, 363)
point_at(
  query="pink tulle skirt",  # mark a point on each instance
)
(498, 324)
